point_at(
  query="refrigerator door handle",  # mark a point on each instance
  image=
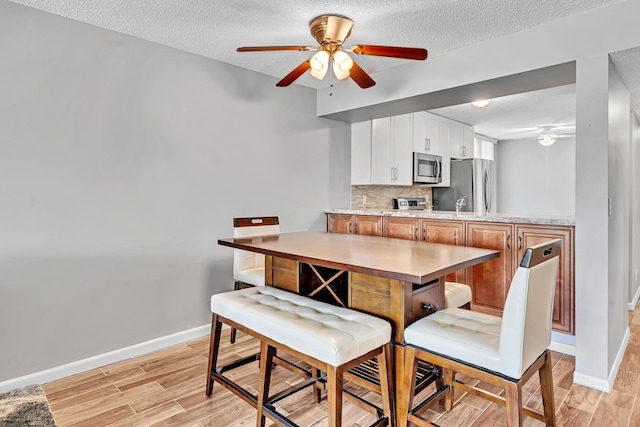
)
(487, 191)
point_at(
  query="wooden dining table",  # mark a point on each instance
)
(398, 280)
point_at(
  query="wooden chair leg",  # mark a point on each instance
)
(334, 395)
(266, 356)
(214, 347)
(513, 397)
(546, 387)
(450, 377)
(232, 335)
(405, 395)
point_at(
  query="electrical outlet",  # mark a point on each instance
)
(364, 200)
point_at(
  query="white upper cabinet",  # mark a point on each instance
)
(361, 153)
(425, 134)
(460, 139)
(391, 150)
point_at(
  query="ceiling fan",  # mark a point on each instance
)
(330, 31)
(549, 135)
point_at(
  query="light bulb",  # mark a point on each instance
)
(547, 140)
(481, 103)
(319, 64)
(342, 64)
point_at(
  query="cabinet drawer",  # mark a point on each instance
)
(429, 295)
(370, 294)
(284, 274)
(287, 264)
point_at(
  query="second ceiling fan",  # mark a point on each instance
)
(330, 31)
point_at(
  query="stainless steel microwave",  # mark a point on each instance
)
(427, 168)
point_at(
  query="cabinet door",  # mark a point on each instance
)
(382, 170)
(361, 153)
(490, 280)
(425, 133)
(368, 225)
(456, 140)
(402, 228)
(402, 149)
(563, 302)
(467, 141)
(339, 223)
(447, 232)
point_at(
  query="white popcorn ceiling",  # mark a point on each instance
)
(215, 28)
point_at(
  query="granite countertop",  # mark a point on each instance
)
(463, 216)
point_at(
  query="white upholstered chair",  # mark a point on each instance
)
(504, 352)
(248, 267)
(457, 295)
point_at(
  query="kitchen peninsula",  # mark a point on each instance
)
(509, 234)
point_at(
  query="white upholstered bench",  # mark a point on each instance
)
(331, 339)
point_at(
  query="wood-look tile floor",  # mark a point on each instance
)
(166, 388)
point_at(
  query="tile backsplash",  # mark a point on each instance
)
(380, 196)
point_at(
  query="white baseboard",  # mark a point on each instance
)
(601, 384)
(105, 358)
(563, 348)
(633, 304)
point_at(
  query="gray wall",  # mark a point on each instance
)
(619, 214)
(537, 180)
(634, 284)
(122, 162)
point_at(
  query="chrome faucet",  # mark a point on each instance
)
(460, 203)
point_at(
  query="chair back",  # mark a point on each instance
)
(528, 310)
(249, 227)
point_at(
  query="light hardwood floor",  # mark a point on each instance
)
(166, 388)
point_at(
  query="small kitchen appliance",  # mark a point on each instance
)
(407, 203)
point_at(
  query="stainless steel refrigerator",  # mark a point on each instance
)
(473, 178)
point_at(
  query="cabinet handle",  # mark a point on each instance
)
(415, 233)
(349, 228)
(519, 243)
(391, 173)
(509, 242)
(427, 307)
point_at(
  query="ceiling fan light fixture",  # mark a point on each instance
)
(319, 64)
(547, 139)
(342, 64)
(481, 103)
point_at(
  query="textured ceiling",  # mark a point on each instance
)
(215, 28)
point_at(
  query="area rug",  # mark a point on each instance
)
(25, 407)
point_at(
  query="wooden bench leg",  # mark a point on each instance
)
(386, 382)
(317, 388)
(266, 356)
(450, 378)
(214, 347)
(405, 395)
(334, 395)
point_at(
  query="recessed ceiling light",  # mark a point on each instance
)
(481, 103)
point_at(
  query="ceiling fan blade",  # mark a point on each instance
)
(361, 77)
(270, 48)
(293, 76)
(391, 51)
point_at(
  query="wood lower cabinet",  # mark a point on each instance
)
(490, 280)
(563, 306)
(340, 223)
(366, 225)
(447, 232)
(402, 228)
